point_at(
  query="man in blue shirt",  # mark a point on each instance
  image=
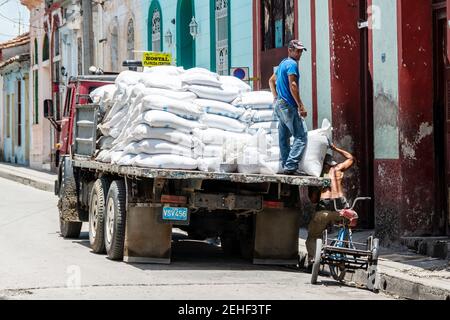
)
(290, 109)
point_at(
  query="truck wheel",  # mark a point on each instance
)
(115, 220)
(97, 214)
(316, 265)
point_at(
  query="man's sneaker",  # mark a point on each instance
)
(293, 173)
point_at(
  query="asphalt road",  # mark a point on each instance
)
(37, 263)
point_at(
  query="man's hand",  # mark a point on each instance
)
(302, 111)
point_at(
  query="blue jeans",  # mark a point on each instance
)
(291, 125)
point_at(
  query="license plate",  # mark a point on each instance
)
(175, 214)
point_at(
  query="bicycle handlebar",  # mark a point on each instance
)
(354, 202)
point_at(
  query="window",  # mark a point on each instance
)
(36, 97)
(114, 49)
(8, 116)
(19, 113)
(68, 102)
(156, 30)
(221, 22)
(36, 52)
(278, 23)
(80, 56)
(56, 42)
(130, 40)
(45, 49)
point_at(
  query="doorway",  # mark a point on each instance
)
(441, 81)
(185, 42)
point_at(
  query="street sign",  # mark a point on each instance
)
(240, 73)
(154, 59)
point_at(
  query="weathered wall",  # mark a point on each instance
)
(305, 65)
(416, 116)
(346, 86)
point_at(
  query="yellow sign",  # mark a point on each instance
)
(154, 59)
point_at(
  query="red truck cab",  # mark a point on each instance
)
(77, 93)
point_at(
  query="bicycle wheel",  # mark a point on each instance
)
(338, 271)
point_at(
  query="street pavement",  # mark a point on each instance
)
(37, 263)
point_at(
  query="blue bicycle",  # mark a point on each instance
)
(342, 254)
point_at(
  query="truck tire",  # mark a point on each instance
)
(97, 213)
(115, 220)
(67, 205)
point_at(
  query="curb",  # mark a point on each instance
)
(403, 288)
(32, 182)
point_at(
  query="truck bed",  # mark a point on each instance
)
(306, 181)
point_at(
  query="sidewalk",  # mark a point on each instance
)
(38, 179)
(401, 272)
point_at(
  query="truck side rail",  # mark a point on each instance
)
(306, 181)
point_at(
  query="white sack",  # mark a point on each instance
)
(219, 108)
(213, 136)
(129, 78)
(271, 167)
(224, 123)
(126, 159)
(255, 99)
(224, 94)
(162, 119)
(264, 116)
(165, 70)
(215, 165)
(201, 79)
(235, 82)
(165, 162)
(103, 93)
(151, 146)
(143, 131)
(105, 143)
(179, 95)
(316, 150)
(269, 127)
(161, 81)
(184, 109)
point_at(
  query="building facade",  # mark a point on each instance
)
(15, 114)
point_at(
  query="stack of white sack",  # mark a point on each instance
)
(152, 122)
(260, 111)
(220, 117)
(261, 155)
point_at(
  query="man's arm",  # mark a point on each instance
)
(273, 86)
(349, 159)
(296, 94)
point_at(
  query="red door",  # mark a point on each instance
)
(441, 106)
(273, 29)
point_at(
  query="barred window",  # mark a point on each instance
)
(156, 30)
(221, 17)
(130, 40)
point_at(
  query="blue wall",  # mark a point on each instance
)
(241, 31)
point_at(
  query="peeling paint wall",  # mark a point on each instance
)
(323, 61)
(305, 65)
(385, 79)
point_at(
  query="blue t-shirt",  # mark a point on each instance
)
(287, 67)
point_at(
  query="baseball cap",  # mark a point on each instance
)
(296, 44)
